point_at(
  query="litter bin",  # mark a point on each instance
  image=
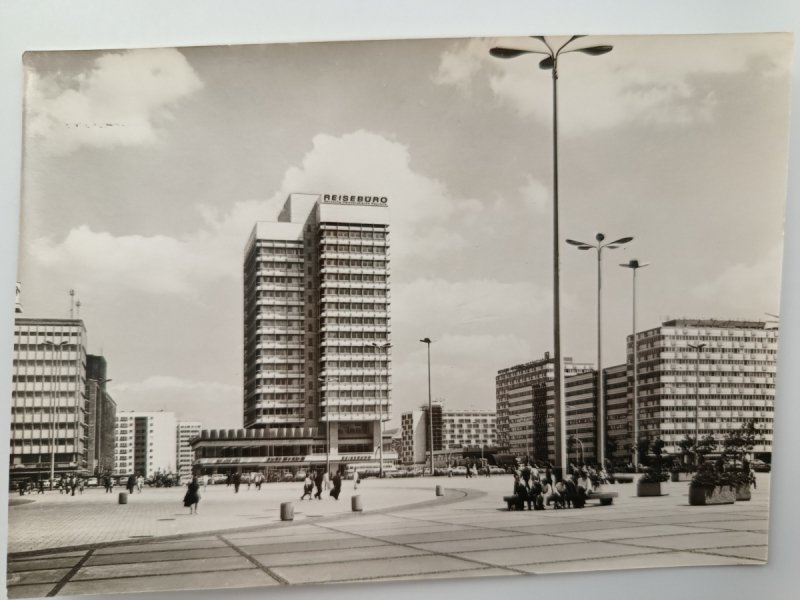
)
(287, 511)
(355, 504)
(440, 490)
(123, 497)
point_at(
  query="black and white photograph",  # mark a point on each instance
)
(413, 309)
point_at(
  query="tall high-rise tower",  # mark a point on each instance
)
(316, 320)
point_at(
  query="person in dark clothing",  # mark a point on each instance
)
(237, 481)
(337, 485)
(228, 480)
(318, 484)
(520, 494)
(570, 492)
(192, 497)
(107, 483)
(40, 487)
(131, 483)
(535, 494)
(526, 475)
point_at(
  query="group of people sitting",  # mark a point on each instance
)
(538, 488)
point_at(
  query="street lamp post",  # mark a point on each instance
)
(385, 347)
(635, 265)
(550, 62)
(428, 342)
(698, 348)
(601, 405)
(57, 347)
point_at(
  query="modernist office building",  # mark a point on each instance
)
(526, 409)
(184, 456)
(728, 365)
(100, 417)
(145, 443)
(454, 431)
(317, 374)
(49, 399)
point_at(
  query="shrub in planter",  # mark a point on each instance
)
(649, 484)
(710, 486)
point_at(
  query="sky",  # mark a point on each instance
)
(145, 170)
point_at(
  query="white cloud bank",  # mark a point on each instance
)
(121, 101)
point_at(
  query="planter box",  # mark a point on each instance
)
(721, 494)
(743, 492)
(648, 489)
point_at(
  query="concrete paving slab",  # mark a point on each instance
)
(640, 561)
(522, 542)
(552, 553)
(314, 558)
(367, 569)
(327, 545)
(644, 531)
(38, 590)
(447, 536)
(183, 544)
(164, 555)
(41, 576)
(760, 525)
(703, 540)
(577, 526)
(757, 553)
(18, 566)
(212, 580)
(476, 572)
(320, 536)
(162, 568)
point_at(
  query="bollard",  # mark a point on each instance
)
(287, 511)
(439, 490)
(123, 497)
(355, 504)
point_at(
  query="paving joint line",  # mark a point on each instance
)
(144, 576)
(255, 562)
(71, 573)
(432, 552)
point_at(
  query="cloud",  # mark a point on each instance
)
(124, 99)
(665, 85)
(188, 399)
(744, 289)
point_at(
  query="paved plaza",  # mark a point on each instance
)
(405, 532)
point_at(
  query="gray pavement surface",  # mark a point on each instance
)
(466, 533)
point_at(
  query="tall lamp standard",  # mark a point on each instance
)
(385, 347)
(428, 342)
(57, 347)
(601, 405)
(698, 348)
(634, 265)
(550, 62)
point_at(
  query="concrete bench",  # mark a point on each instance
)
(605, 498)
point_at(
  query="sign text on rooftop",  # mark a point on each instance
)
(358, 200)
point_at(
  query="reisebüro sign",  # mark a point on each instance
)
(357, 200)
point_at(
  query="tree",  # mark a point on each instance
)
(658, 451)
(643, 448)
(687, 448)
(739, 442)
(705, 445)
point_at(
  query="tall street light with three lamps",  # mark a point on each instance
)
(550, 62)
(600, 415)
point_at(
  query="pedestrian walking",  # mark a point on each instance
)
(40, 487)
(73, 483)
(337, 485)
(131, 483)
(192, 497)
(205, 482)
(326, 481)
(259, 480)
(139, 483)
(356, 480)
(308, 487)
(237, 481)
(318, 484)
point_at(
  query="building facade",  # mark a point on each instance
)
(49, 431)
(184, 456)
(619, 412)
(709, 375)
(317, 357)
(526, 409)
(100, 417)
(454, 431)
(145, 443)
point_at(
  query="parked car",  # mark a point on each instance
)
(497, 470)
(299, 476)
(760, 466)
(462, 470)
(92, 482)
